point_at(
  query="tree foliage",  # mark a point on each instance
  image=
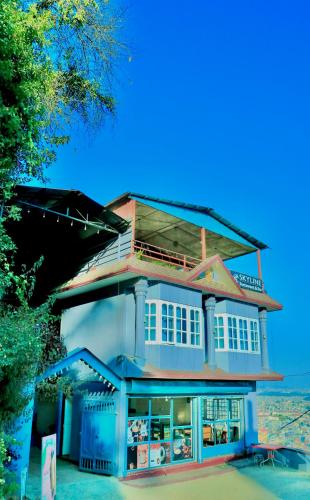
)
(56, 61)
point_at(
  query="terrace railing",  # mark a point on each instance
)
(176, 260)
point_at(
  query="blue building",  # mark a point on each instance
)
(172, 341)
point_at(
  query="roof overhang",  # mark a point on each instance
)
(65, 227)
(105, 375)
(133, 267)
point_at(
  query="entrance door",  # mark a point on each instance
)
(98, 436)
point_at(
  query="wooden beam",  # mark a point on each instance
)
(259, 265)
(203, 243)
(133, 228)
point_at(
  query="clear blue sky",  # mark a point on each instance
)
(214, 109)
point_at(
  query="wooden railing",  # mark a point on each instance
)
(176, 260)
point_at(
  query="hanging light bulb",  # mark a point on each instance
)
(58, 218)
(43, 215)
(85, 227)
(71, 223)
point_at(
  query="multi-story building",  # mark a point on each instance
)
(174, 341)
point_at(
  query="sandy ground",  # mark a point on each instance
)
(239, 480)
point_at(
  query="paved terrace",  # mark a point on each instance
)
(238, 480)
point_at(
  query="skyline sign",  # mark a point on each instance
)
(248, 282)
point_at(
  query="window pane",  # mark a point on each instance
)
(208, 435)
(160, 429)
(153, 308)
(137, 431)
(234, 432)
(160, 454)
(220, 409)
(182, 411)
(234, 408)
(160, 406)
(138, 407)
(153, 321)
(221, 435)
(146, 308)
(164, 309)
(208, 409)
(182, 444)
(152, 334)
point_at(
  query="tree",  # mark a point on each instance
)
(56, 62)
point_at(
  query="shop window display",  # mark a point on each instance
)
(160, 437)
(221, 421)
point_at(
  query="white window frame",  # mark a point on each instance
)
(148, 327)
(225, 317)
(217, 328)
(188, 308)
(257, 339)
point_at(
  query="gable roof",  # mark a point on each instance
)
(192, 209)
(83, 354)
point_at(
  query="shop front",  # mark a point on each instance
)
(162, 431)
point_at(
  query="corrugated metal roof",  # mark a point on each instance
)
(198, 209)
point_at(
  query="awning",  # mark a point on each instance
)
(105, 375)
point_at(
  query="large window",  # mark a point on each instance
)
(235, 333)
(159, 432)
(170, 323)
(221, 420)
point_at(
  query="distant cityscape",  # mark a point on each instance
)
(276, 409)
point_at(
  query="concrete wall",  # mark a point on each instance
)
(117, 249)
(250, 417)
(237, 309)
(173, 357)
(102, 326)
(173, 293)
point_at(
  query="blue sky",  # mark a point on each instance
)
(214, 109)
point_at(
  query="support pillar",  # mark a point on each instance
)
(140, 290)
(209, 332)
(264, 340)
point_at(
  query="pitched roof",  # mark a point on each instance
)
(198, 209)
